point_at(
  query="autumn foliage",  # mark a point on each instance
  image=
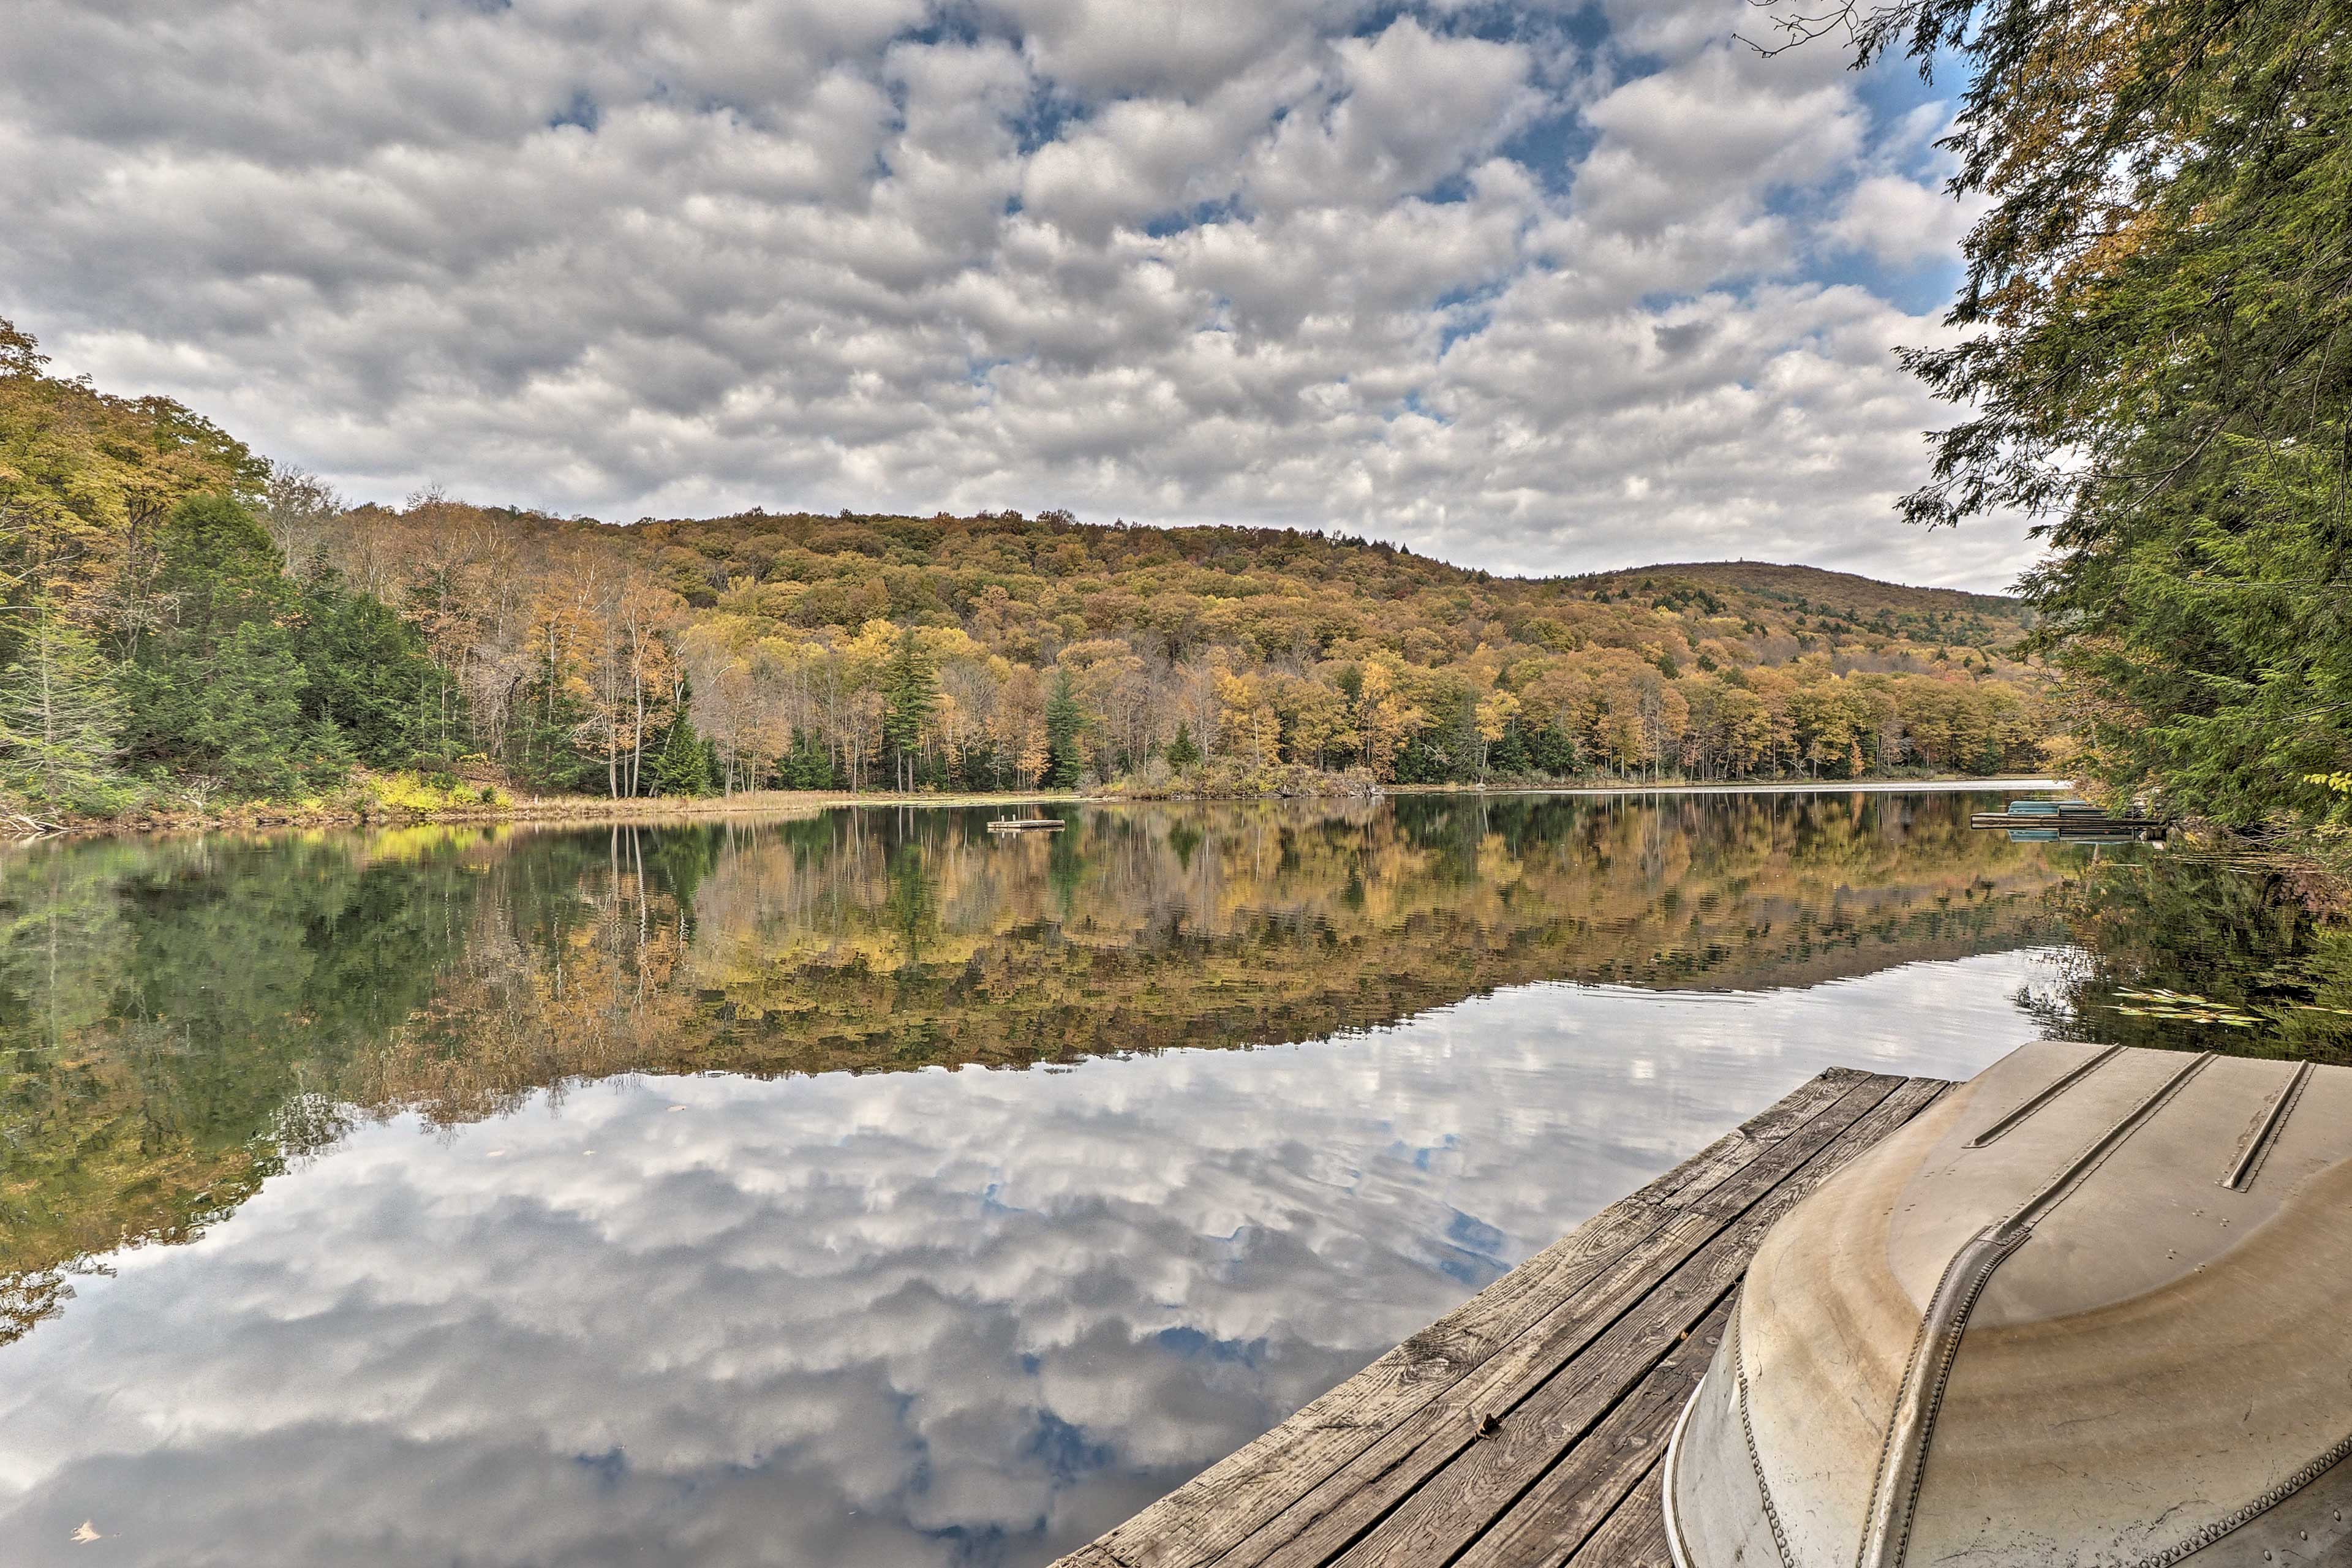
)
(190, 618)
(1003, 651)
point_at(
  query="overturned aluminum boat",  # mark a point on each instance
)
(2093, 1309)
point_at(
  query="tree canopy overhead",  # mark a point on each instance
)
(2158, 365)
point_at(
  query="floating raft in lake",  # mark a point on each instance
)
(2063, 819)
(1528, 1426)
(1027, 824)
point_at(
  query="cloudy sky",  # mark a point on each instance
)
(1537, 288)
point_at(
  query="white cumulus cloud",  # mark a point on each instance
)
(1502, 283)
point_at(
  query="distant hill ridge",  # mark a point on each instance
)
(1796, 608)
(1829, 588)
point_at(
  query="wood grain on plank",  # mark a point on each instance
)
(1635, 1535)
(1461, 1500)
(1383, 1475)
(1218, 1509)
(1577, 1496)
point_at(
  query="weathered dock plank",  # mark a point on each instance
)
(1635, 1535)
(1524, 1425)
(1593, 1317)
(1571, 1500)
(1464, 1498)
(1239, 1512)
(1202, 1521)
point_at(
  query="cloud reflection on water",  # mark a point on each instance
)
(920, 1318)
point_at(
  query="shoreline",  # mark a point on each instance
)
(1793, 787)
(593, 811)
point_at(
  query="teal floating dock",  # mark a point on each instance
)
(2051, 820)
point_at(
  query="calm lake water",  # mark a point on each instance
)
(863, 1190)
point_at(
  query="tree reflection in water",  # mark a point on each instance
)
(922, 1317)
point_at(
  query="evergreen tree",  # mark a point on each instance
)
(1553, 751)
(681, 763)
(240, 711)
(1464, 749)
(1509, 756)
(217, 689)
(808, 765)
(910, 692)
(1066, 761)
(60, 715)
(1418, 762)
(1182, 753)
(369, 675)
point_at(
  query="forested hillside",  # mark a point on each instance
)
(185, 617)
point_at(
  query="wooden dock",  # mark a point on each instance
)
(1526, 1428)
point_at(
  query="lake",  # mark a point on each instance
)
(868, 1189)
